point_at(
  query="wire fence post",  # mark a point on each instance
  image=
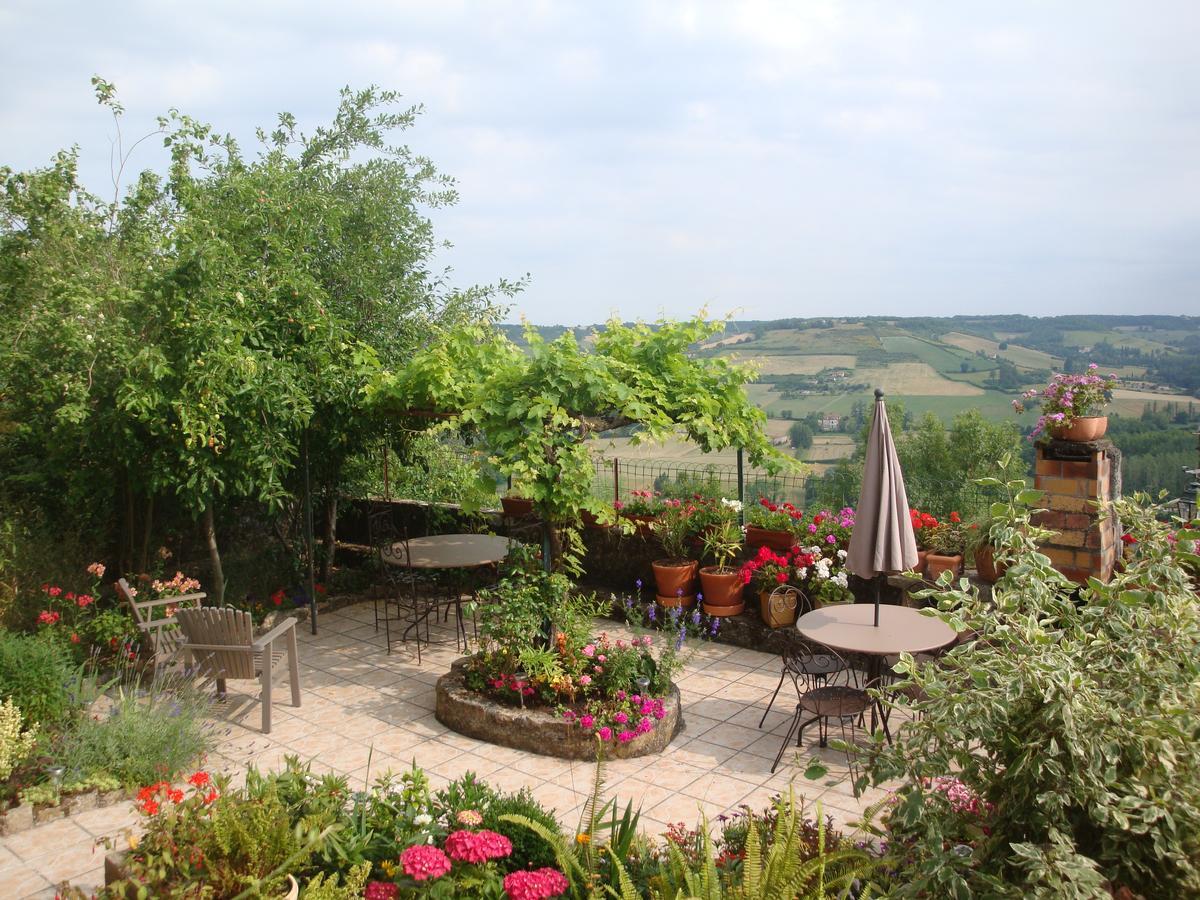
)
(741, 476)
(616, 480)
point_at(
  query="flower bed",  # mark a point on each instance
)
(548, 731)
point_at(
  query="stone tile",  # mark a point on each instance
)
(722, 790)
(108, 819)
(45, 839)
(701, 684)
(714, 708)
(734, 737)
(20, 880)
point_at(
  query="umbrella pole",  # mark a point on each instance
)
(877, 579)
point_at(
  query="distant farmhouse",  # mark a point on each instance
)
(829, 422)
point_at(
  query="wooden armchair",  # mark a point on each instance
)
(163, 637)
(222, 645)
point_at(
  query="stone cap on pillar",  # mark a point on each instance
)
(1075, 450)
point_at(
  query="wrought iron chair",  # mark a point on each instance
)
(402, 593)
(820, 701)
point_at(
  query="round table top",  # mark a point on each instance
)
(851, 627)
(449, 551)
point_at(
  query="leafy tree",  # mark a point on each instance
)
(183, 342)
(536, 409)
(800, 435)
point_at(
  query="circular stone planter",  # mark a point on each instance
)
(540, 730)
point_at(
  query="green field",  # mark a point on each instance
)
(1117, 339)
(941, 357)
(992, 404)
(1022, 357)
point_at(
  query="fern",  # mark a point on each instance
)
(624, 882)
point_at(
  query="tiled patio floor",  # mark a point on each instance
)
(361, 706)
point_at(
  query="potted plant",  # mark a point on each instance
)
(1071, 405)
(984, 552)
(947, 546)
(766, 572)
(722, 584)
(675, 573)
(515, 505)
(923, 524)
(772, 525)
(642, 507)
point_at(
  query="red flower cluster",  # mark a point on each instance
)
(48, 617)
(477, 846)
(148, 798)
(769, 568)
(380, 890)
(535, 885)
(511, 682)
(922, 519)
(423, 862)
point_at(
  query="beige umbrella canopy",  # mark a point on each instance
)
(883, 539)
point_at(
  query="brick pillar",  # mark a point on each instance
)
(1075, 476)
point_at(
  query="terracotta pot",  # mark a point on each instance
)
(588, 519)
(720, 612)
(935, 565)
(769, 537)
(778, 608)
(642, 523)
(985, 565)
(686, 601)
(675, 577)
(516, 507)
(721, 586)
(919, 568)
(1084, 428)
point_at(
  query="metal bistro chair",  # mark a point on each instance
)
(163, 637)
(222, 645)
(403, 594)
(820, 701)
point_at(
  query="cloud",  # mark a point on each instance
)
(784, 157)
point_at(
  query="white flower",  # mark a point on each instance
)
(735, 505)
(841, 554)
(422, 819)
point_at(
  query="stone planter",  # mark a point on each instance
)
(539, 730)
(22, 817)
(769, 537)
(922, 556)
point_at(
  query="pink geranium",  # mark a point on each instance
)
(423, 862)
(477, 847)
(538, 884)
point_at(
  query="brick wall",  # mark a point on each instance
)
(1075, 478)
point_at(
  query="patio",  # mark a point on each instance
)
(364, 712)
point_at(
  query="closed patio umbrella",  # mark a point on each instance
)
(883, 539)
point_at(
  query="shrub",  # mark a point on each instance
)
(15, 744)
(36, 673)
(213, 842)
(529, 850)
(144, 737)
(1068, 727)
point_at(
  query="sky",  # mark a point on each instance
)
(759, 159)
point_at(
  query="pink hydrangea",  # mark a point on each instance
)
(587, 721)
(585, 680)
(621, 718)
(380, 890)
(625, 737)
(423, 862)
(605, 733)
(589, 650)
(477, 846)
(538, 884)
